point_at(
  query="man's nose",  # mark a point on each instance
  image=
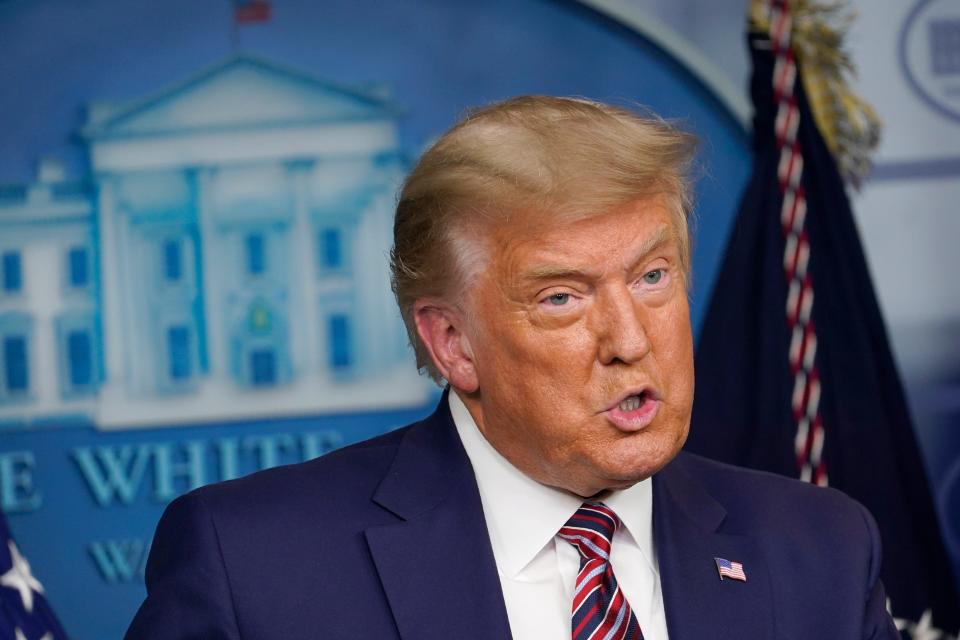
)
(621, 329)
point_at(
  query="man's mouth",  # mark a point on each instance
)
(631, 403)
(635, 410)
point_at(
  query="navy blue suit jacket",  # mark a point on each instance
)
(387, 539)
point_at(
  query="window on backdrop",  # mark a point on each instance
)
(256, 254)
(172, 260)
(12, 274)
(78, 267)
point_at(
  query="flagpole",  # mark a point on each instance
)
(234, 29)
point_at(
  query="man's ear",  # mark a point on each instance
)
(441, 329)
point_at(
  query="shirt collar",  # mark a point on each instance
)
(523, 515)
(634, 506)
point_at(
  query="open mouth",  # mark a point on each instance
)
(632, 403)
(635, 411)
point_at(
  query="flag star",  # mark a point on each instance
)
(902, 624)
(924, 630)
(20, 634)
(921, 630)
(20, 578)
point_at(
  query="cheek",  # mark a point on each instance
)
(548, 356)
(495, 332)
(674, 341)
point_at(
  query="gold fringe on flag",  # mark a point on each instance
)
(850, 126)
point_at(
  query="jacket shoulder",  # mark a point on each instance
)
(234, 559)
(823, 546)
(763, 501)
(342, 481)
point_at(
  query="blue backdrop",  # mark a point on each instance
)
(83, 486)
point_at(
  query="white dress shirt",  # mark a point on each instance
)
(538, 570)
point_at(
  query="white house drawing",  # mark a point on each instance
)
(230, 262)
(48, 317)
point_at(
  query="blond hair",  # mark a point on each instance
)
(568, 157)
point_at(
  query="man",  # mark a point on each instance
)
(541, 264)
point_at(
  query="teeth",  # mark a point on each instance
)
(630, 404)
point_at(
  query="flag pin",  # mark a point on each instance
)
(732, 570)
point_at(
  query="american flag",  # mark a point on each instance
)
(733, 570)
(24, 613)
(752, 406)
(249, 11)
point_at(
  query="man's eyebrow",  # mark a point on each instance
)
(658, 239)
(550, 272)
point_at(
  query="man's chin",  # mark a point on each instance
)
(635, 467)
(608, 479)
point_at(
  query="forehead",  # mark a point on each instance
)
(536, 243)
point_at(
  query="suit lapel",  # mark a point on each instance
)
(436, 565)
(687, 530)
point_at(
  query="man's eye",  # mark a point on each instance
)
(559, 299)
(653, 277)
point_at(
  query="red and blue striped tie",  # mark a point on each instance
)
(600, 610)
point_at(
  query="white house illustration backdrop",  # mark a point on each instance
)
(226, 258)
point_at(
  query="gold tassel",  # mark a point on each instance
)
(850, 126)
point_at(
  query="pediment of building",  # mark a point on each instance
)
(240, 93)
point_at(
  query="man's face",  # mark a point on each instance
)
(581, 341)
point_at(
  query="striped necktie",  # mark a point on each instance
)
(600, 610)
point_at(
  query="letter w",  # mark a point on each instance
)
(119, 472)
(118, 560)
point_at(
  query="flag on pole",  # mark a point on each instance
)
(794, 370)
(24, 612)
(250, 11)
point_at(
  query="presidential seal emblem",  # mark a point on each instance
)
(930, 54)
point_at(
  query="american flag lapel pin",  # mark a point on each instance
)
(732, 570)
